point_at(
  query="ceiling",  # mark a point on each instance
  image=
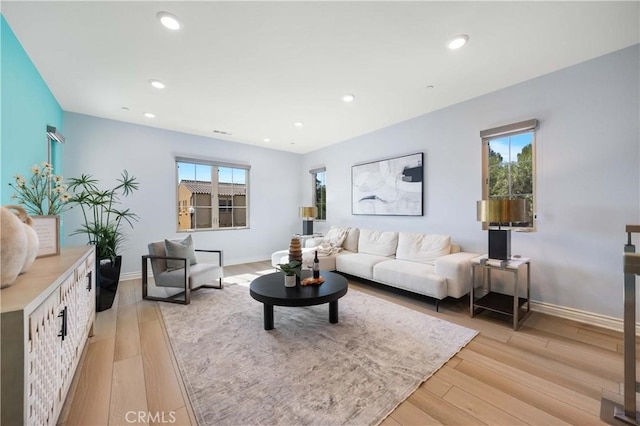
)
(252, 69)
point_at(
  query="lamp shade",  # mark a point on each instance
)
(502, 211)
(308, 212)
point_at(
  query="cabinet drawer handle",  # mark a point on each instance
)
(63, 330)
(89, 280)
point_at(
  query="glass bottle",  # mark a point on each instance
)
(316, 266)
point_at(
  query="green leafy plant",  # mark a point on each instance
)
(291, 268)
(103, 220)
(43, 193)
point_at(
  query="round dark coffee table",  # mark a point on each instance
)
(270, 290)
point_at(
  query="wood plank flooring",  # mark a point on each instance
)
(550, 372)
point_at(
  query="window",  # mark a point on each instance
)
(212, 195)
(318, 178)
(509, 166)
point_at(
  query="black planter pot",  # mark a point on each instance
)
(108, 277)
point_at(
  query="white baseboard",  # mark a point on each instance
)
(131, 276)
(591, 318)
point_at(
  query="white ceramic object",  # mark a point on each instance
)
(289, 280)
(33, 244)
(13, 247)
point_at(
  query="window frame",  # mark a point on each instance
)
(528, 126)
(314, 173)
(212, 163)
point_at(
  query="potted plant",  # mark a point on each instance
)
(290, 270)
(103, 221)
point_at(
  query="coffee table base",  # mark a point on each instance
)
(268, 317)
(268, 314)
(333, 312)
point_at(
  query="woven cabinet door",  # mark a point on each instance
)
(43, 359)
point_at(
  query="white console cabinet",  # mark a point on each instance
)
(47, 315)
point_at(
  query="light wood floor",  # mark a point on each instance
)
(551, 371)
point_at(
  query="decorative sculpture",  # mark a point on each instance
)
(295, 250)
(19, 243)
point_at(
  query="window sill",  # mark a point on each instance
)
(188, 231)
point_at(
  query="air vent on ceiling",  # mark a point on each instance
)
(222, 132)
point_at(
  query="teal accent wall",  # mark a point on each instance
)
(27, 106)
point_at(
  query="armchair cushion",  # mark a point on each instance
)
(198, 275)
(182, 248)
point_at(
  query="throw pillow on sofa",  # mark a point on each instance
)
(332, 242)
(182, 248)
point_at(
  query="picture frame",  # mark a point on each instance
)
(48, 230)
(389, 187)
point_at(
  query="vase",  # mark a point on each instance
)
(13, 251)
(19, 243)
(108, 277)
(289, 280)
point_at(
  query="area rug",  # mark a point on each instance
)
(305, 371)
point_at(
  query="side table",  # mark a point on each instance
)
(498, 302)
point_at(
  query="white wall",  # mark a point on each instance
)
(104, 148)
(588, 179)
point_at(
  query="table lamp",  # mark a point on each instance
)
(501, 211)
(308, 213)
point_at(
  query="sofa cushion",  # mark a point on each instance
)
(358, 264)
(379, 243)
(351, 242)
(412, 276)
(199, 275)
(423, 248)
(327, 262)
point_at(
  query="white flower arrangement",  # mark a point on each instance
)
(44, 193)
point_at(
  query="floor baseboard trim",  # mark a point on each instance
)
(591, 318)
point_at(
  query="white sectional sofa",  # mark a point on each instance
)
(426, 264)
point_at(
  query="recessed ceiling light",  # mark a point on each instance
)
(458, 41)
(348, 98)
(157, 84)
(267, 140)
(149, 115)
(298, 124)
(169, 21)
(124, 108)
(430, 86)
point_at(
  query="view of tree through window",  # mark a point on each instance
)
(510, 170)
(320, 188)
(211, 196)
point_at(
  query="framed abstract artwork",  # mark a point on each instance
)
(391, 187)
